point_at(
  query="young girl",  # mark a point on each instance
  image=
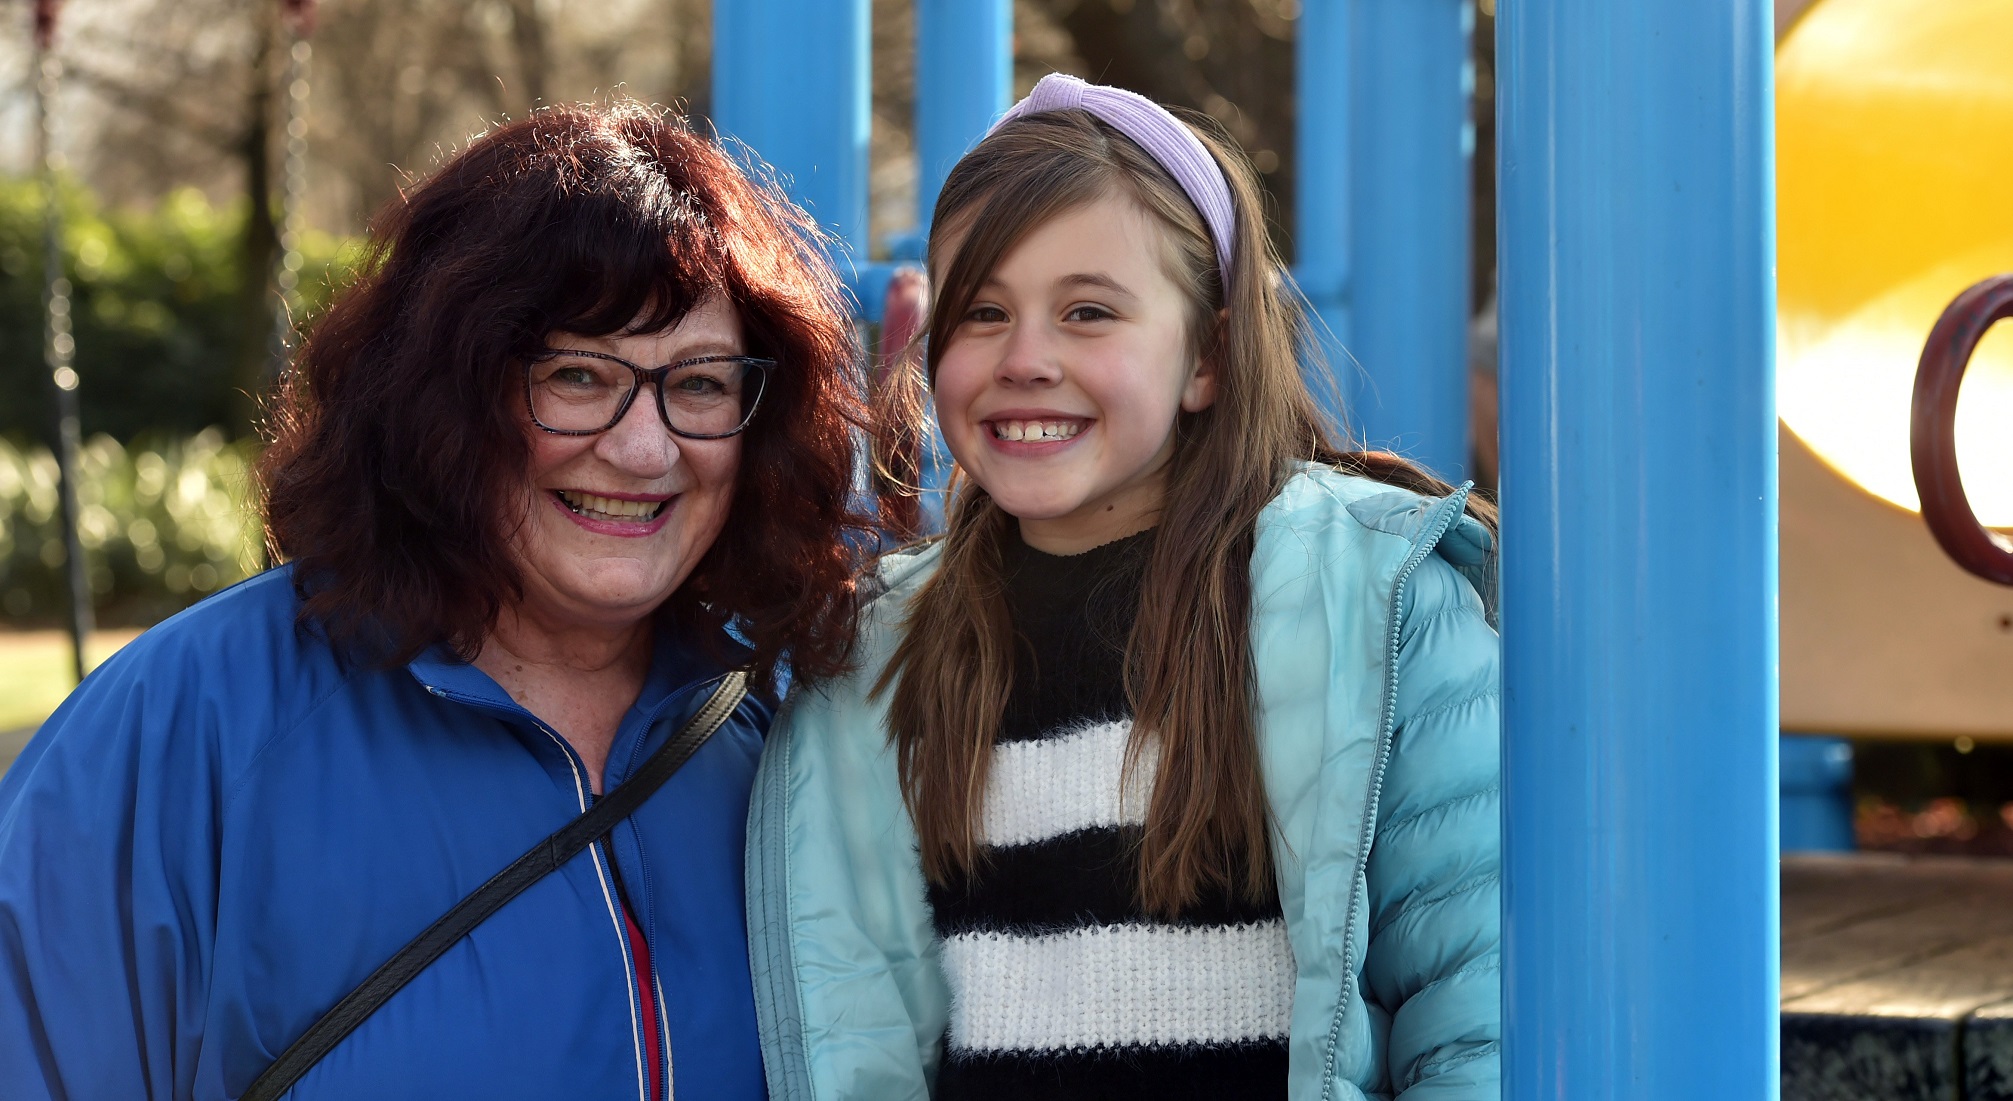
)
(1171, 770)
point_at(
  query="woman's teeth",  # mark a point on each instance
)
(1035, 430)
(608, 508)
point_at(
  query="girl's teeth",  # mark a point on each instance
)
(1035, 430)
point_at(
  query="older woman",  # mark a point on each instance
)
(574, 446)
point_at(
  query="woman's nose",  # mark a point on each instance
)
(639, 444)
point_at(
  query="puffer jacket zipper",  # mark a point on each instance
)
(1442, 518)
(772, 954)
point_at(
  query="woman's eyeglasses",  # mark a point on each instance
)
(575, 393)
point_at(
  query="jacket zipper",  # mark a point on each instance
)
(773, 953)
(603, 872)
(663, 1023)
(1450, 509)
(627, 899)
(650, 945)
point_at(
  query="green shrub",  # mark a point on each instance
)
(163, 524)
(155, 310)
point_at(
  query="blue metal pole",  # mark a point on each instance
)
(964, 78)
(1816, 794)
(1413, 142)
(1639, 549)
(790, 78)
(1321, 192)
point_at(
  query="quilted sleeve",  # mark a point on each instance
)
(1433, 963)
(849, 996)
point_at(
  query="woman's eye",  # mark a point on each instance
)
(700, 384)
(574, 376)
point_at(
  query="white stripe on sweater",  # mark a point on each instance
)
(1119, 985)
(1063, 783)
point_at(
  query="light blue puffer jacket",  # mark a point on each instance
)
(1377, 666)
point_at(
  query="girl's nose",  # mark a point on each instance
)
(639, 444)
(1028, 359)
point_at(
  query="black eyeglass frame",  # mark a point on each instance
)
(655, 377)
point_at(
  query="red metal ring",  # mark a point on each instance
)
(1933, 430)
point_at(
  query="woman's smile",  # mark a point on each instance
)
(630, 516)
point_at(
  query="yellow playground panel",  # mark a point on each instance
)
(1894, 132)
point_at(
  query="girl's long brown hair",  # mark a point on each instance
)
(1190, 677)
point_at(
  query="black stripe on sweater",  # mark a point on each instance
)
(1068, 882)
(1175, 1073)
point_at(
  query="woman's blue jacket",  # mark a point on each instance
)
(225, 829)
(1377, 669)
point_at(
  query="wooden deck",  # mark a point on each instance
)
(1897, 978)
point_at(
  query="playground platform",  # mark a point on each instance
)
(1897, 978)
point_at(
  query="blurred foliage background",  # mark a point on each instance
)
(162, 522)
(171, 135)
(155, 307)
(171, 138)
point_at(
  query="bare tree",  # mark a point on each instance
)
(1230, 59)
(396, 83)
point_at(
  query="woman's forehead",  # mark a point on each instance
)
(712, 320)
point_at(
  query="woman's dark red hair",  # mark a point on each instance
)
(400, 442)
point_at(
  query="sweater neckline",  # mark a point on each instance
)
(1022, 552)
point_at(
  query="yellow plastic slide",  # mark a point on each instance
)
(1894, 137)
(1895, 172)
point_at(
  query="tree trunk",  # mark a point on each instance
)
(534, 59)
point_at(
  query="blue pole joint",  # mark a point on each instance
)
(964, 80)
(1816, 794)
(1385, 141)
(1321, 197)
(1409, 211)
(790, 79)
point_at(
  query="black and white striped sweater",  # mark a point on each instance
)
(1061, 986)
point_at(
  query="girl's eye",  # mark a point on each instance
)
(1087, 313)
(986, 315)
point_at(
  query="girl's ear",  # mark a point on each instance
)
(1200, 393)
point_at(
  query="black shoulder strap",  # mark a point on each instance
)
(543, 859)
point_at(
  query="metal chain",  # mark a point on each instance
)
(59, 348)
(287, 267)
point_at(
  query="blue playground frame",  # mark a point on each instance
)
(1636, 259)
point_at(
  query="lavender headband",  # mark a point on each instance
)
(1165, 138)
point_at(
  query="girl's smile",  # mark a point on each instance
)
(1031, 433)
(1060, 387)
